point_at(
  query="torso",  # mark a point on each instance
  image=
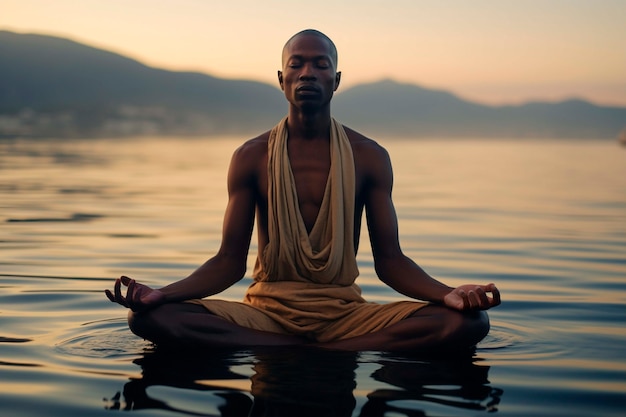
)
(310, 164)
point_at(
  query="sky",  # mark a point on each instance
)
(488, 51)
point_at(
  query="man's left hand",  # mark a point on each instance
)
(472, 297)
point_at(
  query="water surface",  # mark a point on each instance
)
(545, 220)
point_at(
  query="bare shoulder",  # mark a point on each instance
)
(251, 152)
(368, 154)
(250, 159)
(253, 148)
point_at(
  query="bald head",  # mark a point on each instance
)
(332, 49)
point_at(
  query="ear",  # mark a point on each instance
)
(337, 79)
(280, 80)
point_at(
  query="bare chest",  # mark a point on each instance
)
(310, 166)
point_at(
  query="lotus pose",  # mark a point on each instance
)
(308, 181)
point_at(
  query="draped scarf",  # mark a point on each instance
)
(326, 255)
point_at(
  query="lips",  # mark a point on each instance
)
(307, 89)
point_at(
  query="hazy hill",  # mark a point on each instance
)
(88, 90)
(409, 110)
(51, 86)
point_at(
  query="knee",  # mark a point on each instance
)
(140, 323)
(479, 324)
(150, 325)
(467, 329)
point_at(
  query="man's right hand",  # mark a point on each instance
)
(138, 298)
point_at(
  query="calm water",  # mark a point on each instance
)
(544, 220)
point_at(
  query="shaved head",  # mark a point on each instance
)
(312, 32)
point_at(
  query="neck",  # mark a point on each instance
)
(307, 125)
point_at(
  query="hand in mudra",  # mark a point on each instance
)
(472, 297)
(139, 297)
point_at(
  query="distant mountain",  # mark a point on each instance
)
(72, 89)
(408, 110)
(51, 86)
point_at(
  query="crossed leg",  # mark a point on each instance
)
(191, 325)
(429, 328)
(432, 328)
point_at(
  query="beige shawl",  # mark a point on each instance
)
(326, 255)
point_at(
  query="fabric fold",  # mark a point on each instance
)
(326, 255)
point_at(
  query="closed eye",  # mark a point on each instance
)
(323, 64)
(294, 63)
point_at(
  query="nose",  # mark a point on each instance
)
(307, 72)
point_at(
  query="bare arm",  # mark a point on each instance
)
(392, 266)
(229, 264)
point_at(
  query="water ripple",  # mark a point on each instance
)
(75, 217)
(101, 339)
(13, 340)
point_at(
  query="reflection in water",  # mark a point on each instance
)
(457, 383)
(184, 371)
(306, 382)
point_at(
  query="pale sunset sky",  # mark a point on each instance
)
(493, 52)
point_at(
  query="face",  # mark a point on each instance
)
(309, 76)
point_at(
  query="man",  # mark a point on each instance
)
(308, 181)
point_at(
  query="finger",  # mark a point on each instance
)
(483, 300)
(109, 295)
(125, 280)
(495, 295)
(119, 298)
(130, 295)
(473, 300)
(463, 296)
